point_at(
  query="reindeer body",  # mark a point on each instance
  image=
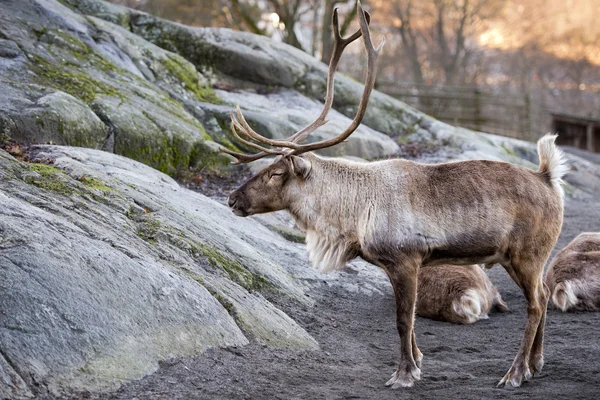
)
(401, 215)
(573, 276)
(456, 294)
(454, 213)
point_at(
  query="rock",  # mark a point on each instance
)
(59, 118)
(12, 385)
(109, 267)
(244, 60)
(87, 82)
(9, 49)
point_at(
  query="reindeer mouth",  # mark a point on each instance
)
(239, 213)
(234, 203)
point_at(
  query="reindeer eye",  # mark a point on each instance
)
(276, 174)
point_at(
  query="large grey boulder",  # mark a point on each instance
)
(71, 79)
(109, 266)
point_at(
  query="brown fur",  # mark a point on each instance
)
(401, 215)
(457, 294)
(573, 276)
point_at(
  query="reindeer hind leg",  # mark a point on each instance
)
(527, 274)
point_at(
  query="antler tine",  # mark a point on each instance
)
(339, 44)
(372, 54)
(235, 126)
(238, 123)
(242, 158)
(245, 129)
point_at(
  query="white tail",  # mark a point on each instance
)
(552, 162)
(469, 306)
(564, 296)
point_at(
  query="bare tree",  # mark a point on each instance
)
(437, 35)
(326, 33)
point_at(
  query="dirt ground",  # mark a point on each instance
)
(359, 350)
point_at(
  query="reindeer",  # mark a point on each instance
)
(573, 276)
(401, 215)
(457, 294)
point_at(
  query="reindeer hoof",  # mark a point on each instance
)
(537, 364)
(404, 377)
(515, 376)
(419, 360)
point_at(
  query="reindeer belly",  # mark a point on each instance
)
(468, 248)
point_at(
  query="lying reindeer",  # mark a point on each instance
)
(457, 294)
(401, 215)
(574, 275)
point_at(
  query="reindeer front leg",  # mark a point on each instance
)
(403, 276)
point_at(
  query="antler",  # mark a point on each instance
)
(290, 145)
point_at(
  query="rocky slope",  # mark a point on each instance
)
(108, 266)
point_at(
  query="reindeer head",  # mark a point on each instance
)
(271, 189)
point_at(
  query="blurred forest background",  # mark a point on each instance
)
(518, 68)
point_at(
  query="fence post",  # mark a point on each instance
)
(528, 132)
(478, 116)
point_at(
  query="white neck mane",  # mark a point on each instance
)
(329, 207)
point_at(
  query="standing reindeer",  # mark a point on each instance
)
(457, 294)
(401, 215)
(573, 276)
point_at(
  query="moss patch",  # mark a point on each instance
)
(233, 268)
(60, 77)
(148, 229)
(187, 74)
(289, 234)
(227, 305)
(49, 178)
(509, 151)
(95, 184)
(166, 154)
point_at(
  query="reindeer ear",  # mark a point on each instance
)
(300, 166)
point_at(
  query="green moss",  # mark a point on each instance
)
(156, 152)
(225, 136)
(95, 184)
(75, 83)
(49, 178)
(195, 277)
(186, 73)
(227, 305)
(70, 42)
(204, 158)
(171, 154)
(5, 129)
(148, 229)
(289, 234)
(39, 32)
(509, 151)
(131, 212)
(233, 268)
(105, 65)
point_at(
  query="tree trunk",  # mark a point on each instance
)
(326, 32)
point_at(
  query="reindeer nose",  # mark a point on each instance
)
(232, 200)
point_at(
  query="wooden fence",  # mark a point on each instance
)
(518, 116)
